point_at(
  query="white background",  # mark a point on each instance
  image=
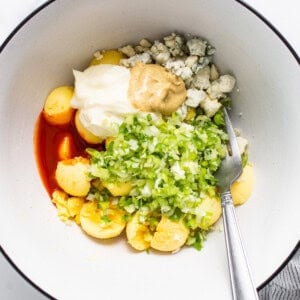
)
(282, 14)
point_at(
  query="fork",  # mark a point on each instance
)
(229, 171)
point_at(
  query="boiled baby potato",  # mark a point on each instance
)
(138, 235)
(242, 188)
(111, 57)
(169, 235)
(72, 176)
(57, 109)
(93, 224)
(118, 188)
(212, 206)
(84, 133)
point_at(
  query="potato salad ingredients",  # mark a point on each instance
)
(135, 145)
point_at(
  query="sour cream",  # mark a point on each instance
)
(100, 95)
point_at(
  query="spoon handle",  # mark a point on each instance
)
(241, 282)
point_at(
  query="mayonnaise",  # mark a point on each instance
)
(100, 95)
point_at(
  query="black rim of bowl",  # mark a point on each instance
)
(248, 7)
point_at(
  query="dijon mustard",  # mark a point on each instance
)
(154, 89)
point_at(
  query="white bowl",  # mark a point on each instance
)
(63, 261)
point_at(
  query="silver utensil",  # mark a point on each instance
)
(231, 168)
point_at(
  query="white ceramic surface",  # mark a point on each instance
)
(63, 261)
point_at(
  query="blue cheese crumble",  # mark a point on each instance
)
(190, 58)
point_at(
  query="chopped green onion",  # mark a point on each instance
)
(170, 164)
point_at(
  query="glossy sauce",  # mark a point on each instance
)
(46, 142)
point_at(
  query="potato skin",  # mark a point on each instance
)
(71, 175)
(57, 109)
(84, 133)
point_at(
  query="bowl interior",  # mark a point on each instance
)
(68, 264)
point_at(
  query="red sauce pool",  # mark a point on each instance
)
(46, 143)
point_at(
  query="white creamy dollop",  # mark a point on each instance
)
(100, 95)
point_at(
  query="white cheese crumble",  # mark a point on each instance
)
(127, 50)
(175, 44)
(194, 97)
(98, 55)
(130, 62)
(160, 53)
(196, 46)
(201, 79)
(214, 73)
(210, 106)
(226, 83)
(145, 43)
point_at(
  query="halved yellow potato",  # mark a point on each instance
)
(213, 206)
(118, 188)
(72, 176)
(65, 147)
(57, 109)
(138, 235)
(93, 224)
(111, 57)
(242, 188)
(84, 133)
(169, 235)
